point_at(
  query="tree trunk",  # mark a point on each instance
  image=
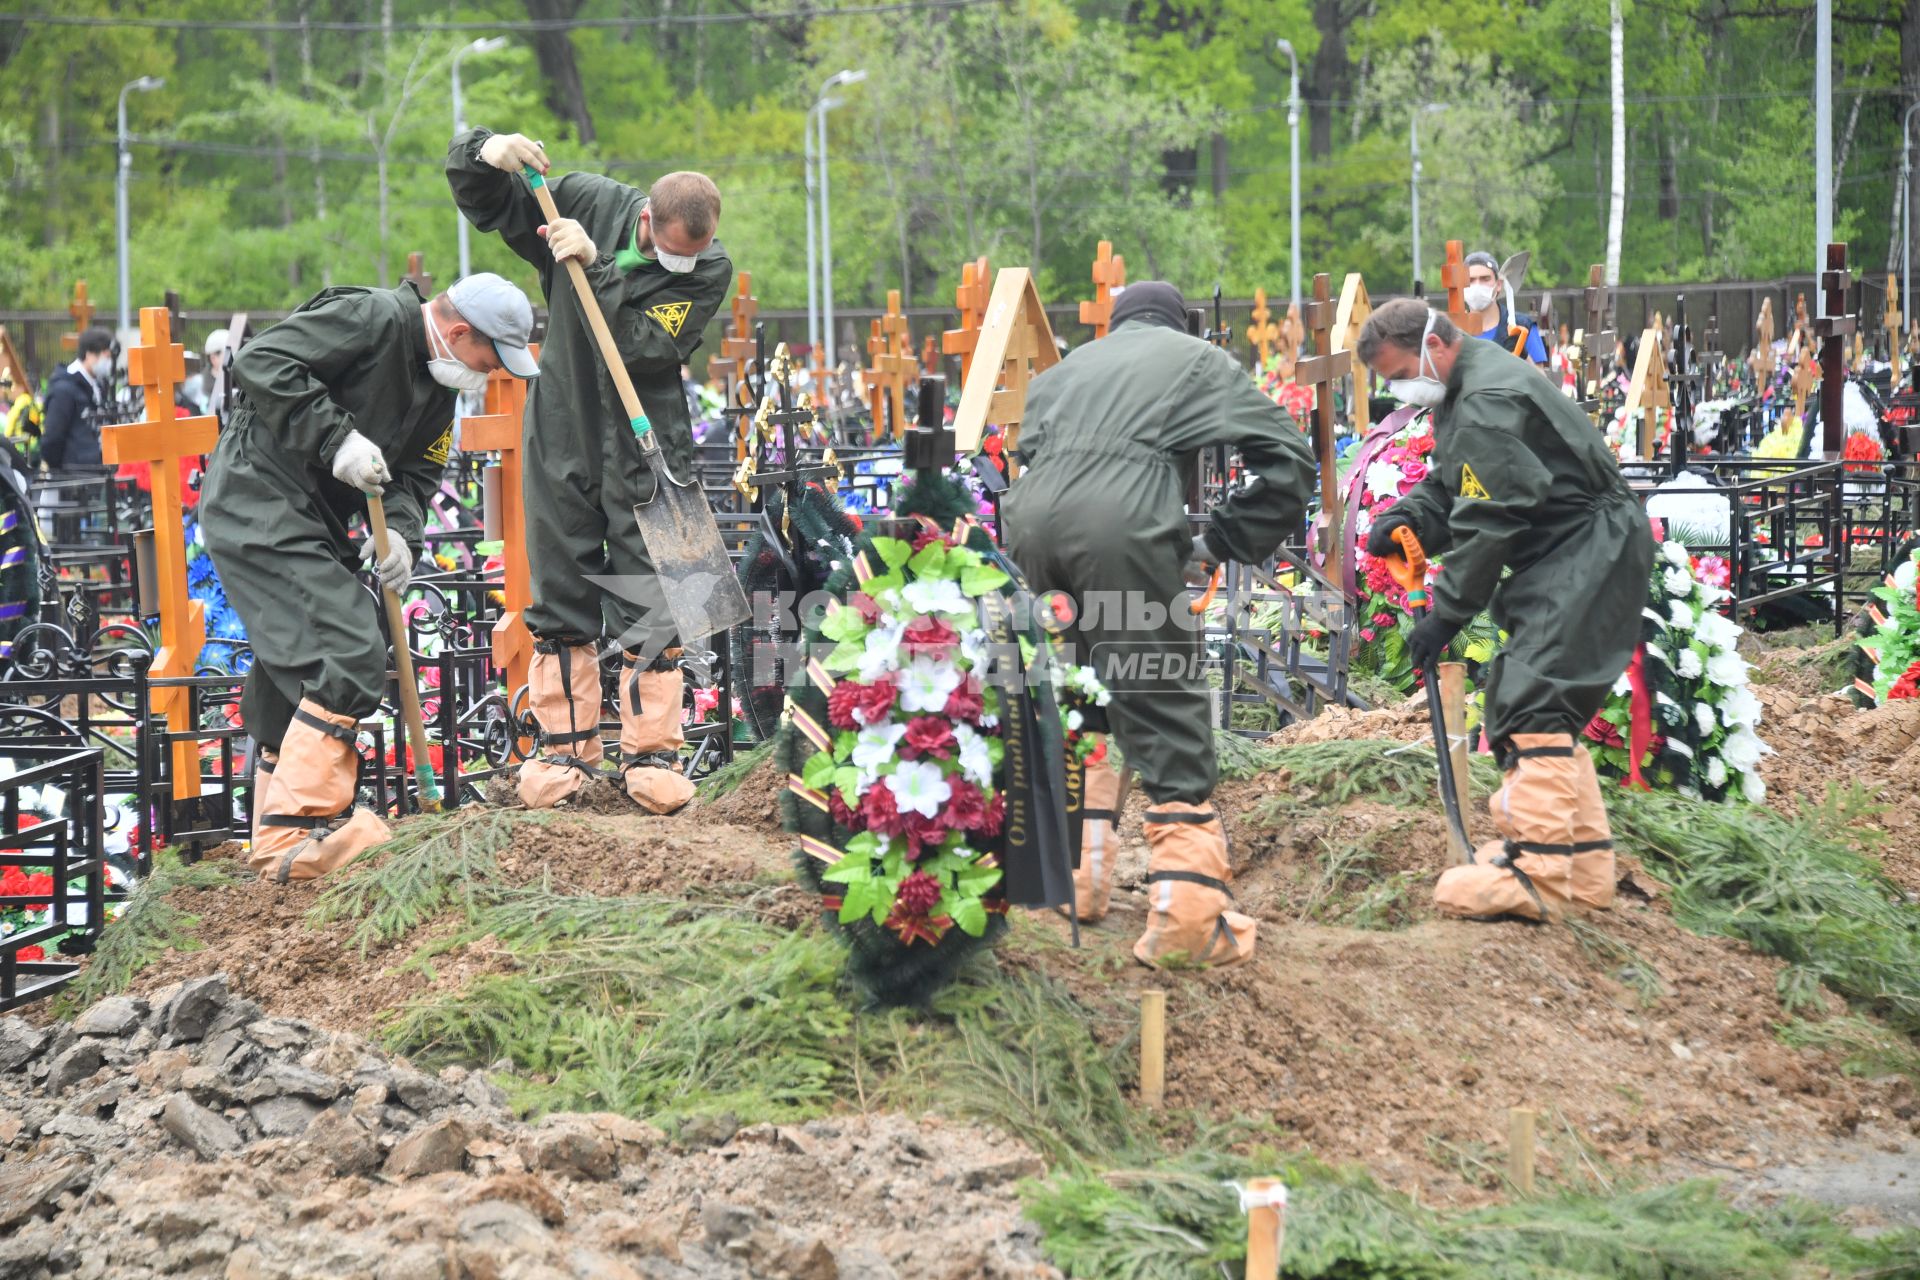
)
(1328, 76)
(1220, 173)
(566, 94)
(1617, 196)
(1909, 77)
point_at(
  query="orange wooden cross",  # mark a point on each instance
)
(1263, 332)
(736, 349)
(971, 297)
(417, 274)
(499, 431)
(1109, 273)
(156, 366)
(929, 355)
(1453, 276)
(1892, 319)
(893, 368)
(82, 312)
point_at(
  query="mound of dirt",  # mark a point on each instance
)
(754, 802)
(189, 1135)
(1826, 741)
(1402, 722)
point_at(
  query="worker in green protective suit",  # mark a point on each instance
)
(1110, 440)
(351, 394)
(1520, 481)
(659, 276)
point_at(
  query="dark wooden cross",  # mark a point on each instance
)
(417, 274)
(81, 309)
(1833, 327)
(1453, 277)
(1320, 371)
(976, 287)
(1597, 338)
(1109, 273)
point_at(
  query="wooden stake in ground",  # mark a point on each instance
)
(1453, 712)
(1153, 1047)
(156, 366)
(1264, 1201)
(1319, 371)
(1520, 1137)
(1109, 273)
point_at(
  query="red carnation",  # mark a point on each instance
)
(918, 894)
(876, 700)
(927, 537)
(37, 953)
(859, 525)
(966, 807)
(1603, 732)
(924, 833)
(965, 703)
(869, 610)
(843, 702)
(837, 809)
(995, 816)
(1907, 686)
(930, 636)
(879, 810)
(929, 735)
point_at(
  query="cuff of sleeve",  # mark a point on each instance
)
(1221, 553)
(334, 439)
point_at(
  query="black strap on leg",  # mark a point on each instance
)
(1187, 816)
(1513, 848)
(668, 760)
(1504, 860)
(1190, 877)
(1099, 815)
(338, 732)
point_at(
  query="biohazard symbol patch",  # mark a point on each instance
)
(437, 451)
(671, 316)
(1470, 486)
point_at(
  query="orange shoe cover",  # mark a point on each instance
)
(563, 687)
(309, 824)
(1557, 850)
(1190, 922)
(650, 736)
(1099, 842)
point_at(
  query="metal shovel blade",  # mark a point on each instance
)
(703, 594)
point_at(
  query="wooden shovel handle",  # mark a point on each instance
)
(402, 655)
(590, 305)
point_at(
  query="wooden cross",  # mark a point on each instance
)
(1109, 273)
(1319, 371)
(1893, 329)
(1833, 328)
(1647, 390)
(971, 297)
(156, 366)
(893, 370)
(929, 355)
(1263, 332)
(417, 274)
(498, 430)
(1348, 319)
(82, 312)
(1805, 374)
(725, 370)
(1015, 342)
(1287, 357)
(1762, 360)
(1453, 275)
(1597, 337)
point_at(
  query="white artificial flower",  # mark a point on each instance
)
(1074, 721)
(976, 763)
(1679, 582)
(1703, 716)
(1716, 772)
(1906, 575)
(1717, 632)
(1680, 614)
(1754, 788)
(1739, 709)
(1383, 480)
(1623, 686)
(937, 595)
(1727, 669)
(926, 682)
(919, 786)
(882, 653)
(1363, 521)
(1743, 749)
(1688, 665)
(1676, 554)
(876, 745)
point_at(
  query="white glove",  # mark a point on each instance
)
(360, 463)
(396, 571)
(514, 152)
(1201, 561)
(568, 239)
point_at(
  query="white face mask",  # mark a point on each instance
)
(449, 371)
(674, 262)
(103, 369)
(1426, 390)
(1478, 297)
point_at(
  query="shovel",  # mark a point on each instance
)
(703, 594)
(403, 663)
(1410, 571)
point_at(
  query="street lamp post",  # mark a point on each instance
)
(1414, 134)
(490, 44)
(823, 105)
(1906, 211)
(142, 85)
(1293, 127)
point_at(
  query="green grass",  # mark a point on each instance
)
(1866, 1047)
(147, 928)
(727, 777)
(1332, 773)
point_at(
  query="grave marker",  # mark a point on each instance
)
(1263, 333)
(156, 366)
(1453, 275)
(891, 346)
(1319, 371)
(726, 370)
(1647, 389)
(1348, 319)
(1014, 343)
(498, 430)
(1597, 337)
(1892, 318)
(1833, 328)
(81, 309)
(1109, 273)
(1763, 360)
(417, 274)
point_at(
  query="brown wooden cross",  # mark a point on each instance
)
(892, 371)
(1647, 389)
(1109, 273)
(1319, 372)
(1597, 337)
(1263, 333)
(1286, 356)
(156, 366)
(1453, 277)
(417, 274)
(1015, 342)
(498, 430)
(726, 370)
(971, 297)
(1348, 319)
(1892, 319)
(81, 309)
(1833, 328)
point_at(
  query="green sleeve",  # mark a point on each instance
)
(1425, 507)
(494, 200)
(285, 372)
(1219, 404)
(407, 495)
(1497, 483)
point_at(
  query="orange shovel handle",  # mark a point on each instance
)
(1409, 568)
(1200, 606)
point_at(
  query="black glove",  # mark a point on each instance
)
(1380, 542)
(1430, 640)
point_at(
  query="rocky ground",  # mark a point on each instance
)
(188, 1134)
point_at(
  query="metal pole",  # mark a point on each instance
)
(813, 248)
(487, 45)
(1293, 128)
(120, 215)
(1414, 135)
(1822, 141)
(826, 243)
(1906, 211)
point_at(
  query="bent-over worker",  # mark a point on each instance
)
(351, 394)
(1110, 438)
(1520, 481)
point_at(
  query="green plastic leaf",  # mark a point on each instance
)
(845, 656)
(846, 780)
(818, 771)
(843, 622)
(982, 578)
(857, 901)
(929, 561)
(852, 869)
(976, 879)
(892, 551)
(971, 915)
(888, 581)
